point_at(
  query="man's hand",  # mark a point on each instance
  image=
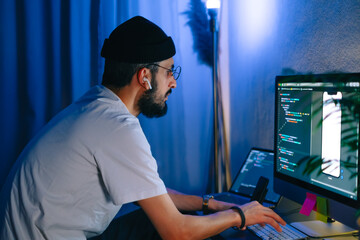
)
(255, 213)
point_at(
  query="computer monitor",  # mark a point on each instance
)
(317, 141)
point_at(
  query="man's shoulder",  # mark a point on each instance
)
(102, 104)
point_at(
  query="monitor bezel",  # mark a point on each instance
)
(341, 77)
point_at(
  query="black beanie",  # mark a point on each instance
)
(138, 41)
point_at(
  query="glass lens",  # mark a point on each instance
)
(176, 72)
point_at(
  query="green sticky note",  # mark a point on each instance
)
(321, 209)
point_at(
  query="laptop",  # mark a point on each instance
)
(259, 162)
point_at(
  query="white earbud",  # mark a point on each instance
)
(148, 82)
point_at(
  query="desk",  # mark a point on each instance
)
(289, 211)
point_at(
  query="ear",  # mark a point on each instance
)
(144, 78)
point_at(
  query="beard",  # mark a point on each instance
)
(150, 104)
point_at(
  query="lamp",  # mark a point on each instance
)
(213, 7)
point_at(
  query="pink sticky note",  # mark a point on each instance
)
(309, 204)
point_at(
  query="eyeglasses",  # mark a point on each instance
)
(174, 71)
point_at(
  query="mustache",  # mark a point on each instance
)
(168, 92)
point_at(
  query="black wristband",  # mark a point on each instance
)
(205, 203)
(242, 216)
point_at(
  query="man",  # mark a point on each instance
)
(90, 159)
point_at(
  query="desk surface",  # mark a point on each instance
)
(289, 211)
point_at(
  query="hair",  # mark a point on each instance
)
(119, 74)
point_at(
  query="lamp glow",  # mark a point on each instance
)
(256, 20)
(213, 4)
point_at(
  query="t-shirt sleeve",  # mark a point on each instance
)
(127, 167)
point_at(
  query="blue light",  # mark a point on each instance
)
(210, 4)
(257, 20)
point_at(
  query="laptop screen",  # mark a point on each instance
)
(259, 162)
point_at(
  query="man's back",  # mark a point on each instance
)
(67, 183)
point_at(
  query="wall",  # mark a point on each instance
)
(269, 39)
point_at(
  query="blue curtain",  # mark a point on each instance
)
(43, 67)
(50, 57)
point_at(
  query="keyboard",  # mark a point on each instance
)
(269, 233)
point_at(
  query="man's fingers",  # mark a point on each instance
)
(262, 215)
(275, 216)
(274, 224)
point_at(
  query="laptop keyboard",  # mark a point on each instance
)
(269, 233)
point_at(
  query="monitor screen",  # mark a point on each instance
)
(317, 138)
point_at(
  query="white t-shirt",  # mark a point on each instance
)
(74, 176)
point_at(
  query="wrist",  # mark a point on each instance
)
(205, 203)
(242, 217)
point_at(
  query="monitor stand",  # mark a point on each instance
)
(319, 229)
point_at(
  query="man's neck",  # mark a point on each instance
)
(129, 96)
